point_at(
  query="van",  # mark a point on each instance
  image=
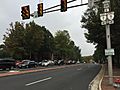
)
(7, 63)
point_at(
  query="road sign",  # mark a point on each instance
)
(106, 4)
(111, 15)
(107, 22)
(103, 16)
(103, 23)
(109, 52)
(106, 10)
(35, 14)
(107, 18)
(110, 22)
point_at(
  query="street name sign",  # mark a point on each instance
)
(109, 52)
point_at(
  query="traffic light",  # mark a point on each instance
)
(40, 9)
(63, 5)
(25, 12)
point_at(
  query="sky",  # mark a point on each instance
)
(10, 11)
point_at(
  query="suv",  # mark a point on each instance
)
(7, 63)
(27, 64)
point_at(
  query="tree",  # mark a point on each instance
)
(23, 42)
(65, 47)
(3, 53)
(33, 40)
(48, 44)
(96, 32)
(13, 40)
(62, 40)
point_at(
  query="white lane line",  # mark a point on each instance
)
(38, 81)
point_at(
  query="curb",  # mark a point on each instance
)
(96, 82)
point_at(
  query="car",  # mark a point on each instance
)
(7, 63)
(73, 62)
(40, 63)
(60, 62)
(55, 62)
(45, 63)
(27, 64)
(69, 62)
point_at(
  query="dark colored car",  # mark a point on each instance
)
(27, 64)
(7, 64)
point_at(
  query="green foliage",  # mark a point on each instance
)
(65, 47)
(3, 53)
(24, 42)
(96, 32)
(31, 41)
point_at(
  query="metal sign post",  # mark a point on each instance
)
(107, 19)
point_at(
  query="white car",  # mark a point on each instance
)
(47, 62)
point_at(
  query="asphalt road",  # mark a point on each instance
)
(71, 78)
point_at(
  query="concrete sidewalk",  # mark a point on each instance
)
(105, 82)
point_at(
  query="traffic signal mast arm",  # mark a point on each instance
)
(67, 8)
(58, 5)
(45, 10)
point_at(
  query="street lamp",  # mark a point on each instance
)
(107, 19)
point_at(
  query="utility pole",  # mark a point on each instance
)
(107, 19)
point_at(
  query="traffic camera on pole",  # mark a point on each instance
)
(25, 12)
(40, 9)
(63, 5)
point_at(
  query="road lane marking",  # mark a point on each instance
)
(38, 81)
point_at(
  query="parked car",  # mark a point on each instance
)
(73, 62)
(55, 62)
(27, 64)
(69, 62)
(60, 62)
(7, 63)
(40, 63)
(47, 62)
